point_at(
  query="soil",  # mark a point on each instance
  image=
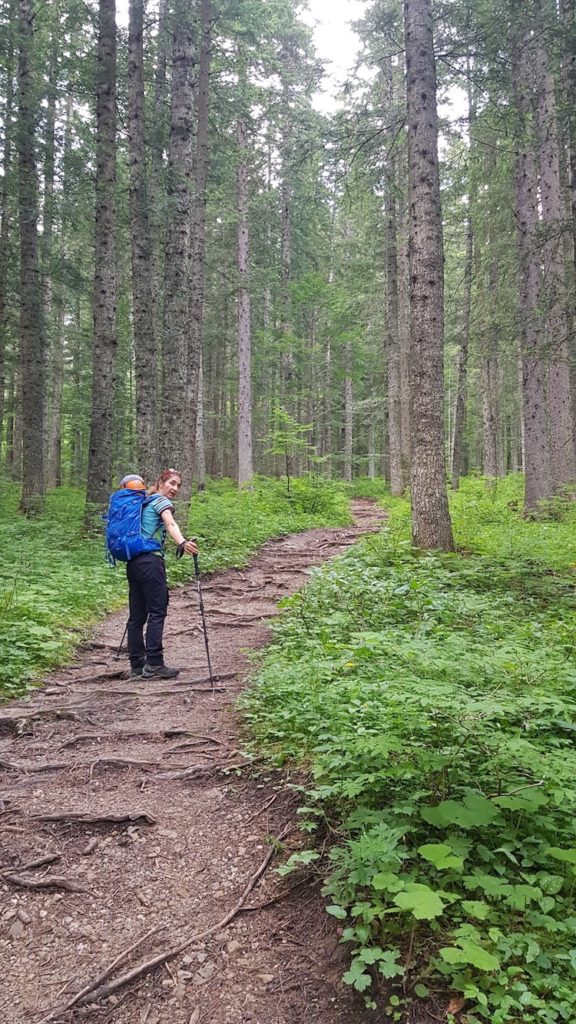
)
(188, 827)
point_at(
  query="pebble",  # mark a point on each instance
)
(23, 915)
(16, 929)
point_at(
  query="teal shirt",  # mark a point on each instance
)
(152, 525)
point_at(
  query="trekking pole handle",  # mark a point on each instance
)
(196, 566)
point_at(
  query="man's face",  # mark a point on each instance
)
(171, 486)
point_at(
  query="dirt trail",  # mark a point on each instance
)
(92, 744)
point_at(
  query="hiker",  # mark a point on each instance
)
(148, 595)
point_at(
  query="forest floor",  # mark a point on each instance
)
(140, 795)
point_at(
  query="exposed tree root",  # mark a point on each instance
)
(95, 990)
(83, 818)
(49, 882)
(17, 724)
(29, 769)
(80, 996)
(40, 862)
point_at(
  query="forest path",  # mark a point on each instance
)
(192, 836)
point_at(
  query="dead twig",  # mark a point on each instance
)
(81, 996)
(262, 809)
(96, 993)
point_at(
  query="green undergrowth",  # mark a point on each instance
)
(432, 700)
(55, 583)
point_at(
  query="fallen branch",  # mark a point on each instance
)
(49, 882)
(101, 977)
(83, 818)
(104, 991)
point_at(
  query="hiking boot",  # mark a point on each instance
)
(159, 672)
(136, 671)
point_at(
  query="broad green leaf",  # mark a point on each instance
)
(471, 812)
(441, 856)
(389, 966)
(336, 911)
(468, 952)
(422, 901)
(387, 881)
(567, 856)
(476, 908)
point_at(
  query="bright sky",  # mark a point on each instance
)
(336, 43)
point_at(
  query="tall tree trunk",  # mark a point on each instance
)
(100, 447)
(287, 358)
(394, 397)
(371, 448)
(348, 412)
(553, 297)
(245, 467)
(327, 410)
(431, 526)
(458, 435)
(32, 334)
(142, 257)
(173, 436)
(5, 216)
(538, 477)
(404, 341)
(200, 435)
(489, 416)
(198, 238)
(156, 182)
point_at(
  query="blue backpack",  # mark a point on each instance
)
(124, 537)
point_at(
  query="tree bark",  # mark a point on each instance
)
(198, 238)
(458, 438)
(5, 217)
(392, 326)
(431, 526)
(173, 436)
(458, 435)
(32, 333)
(553, 294)
(105, 341)
(538, 477)
(348, 412)
(200, 436)
(245, 466)
(145, 353)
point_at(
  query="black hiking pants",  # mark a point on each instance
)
(148, 600)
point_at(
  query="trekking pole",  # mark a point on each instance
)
(203, 617)
(117, 655)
